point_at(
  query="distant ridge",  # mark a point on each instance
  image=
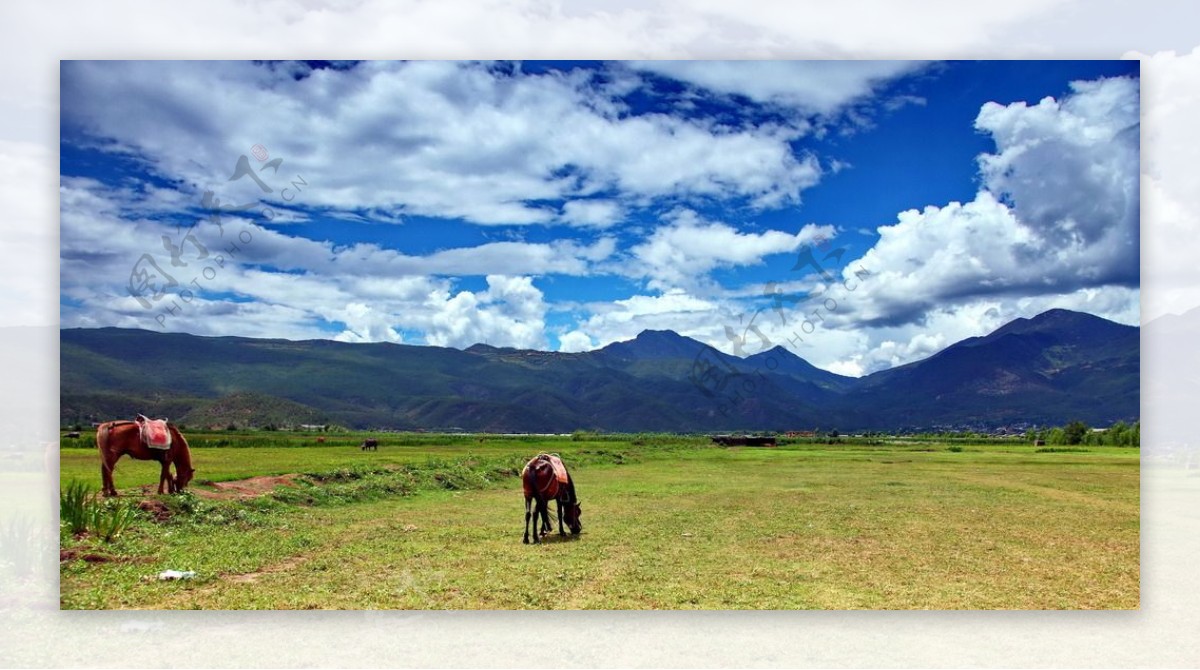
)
(1056, 367)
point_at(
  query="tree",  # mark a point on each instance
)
(1075, 432)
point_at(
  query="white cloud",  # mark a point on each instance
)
(835, 340)
(575, 341)
(1070, 170)
(814, 87)
(511, 312)
(1059, 212)
(443, 139)
(680, 253)
(593, 213)
(281, 286)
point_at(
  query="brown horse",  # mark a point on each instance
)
(115, 439)
(545, 478)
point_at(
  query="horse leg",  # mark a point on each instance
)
(164, 477)
(562, 532)
(545, 517)
(526, 539)
(536, 510)
(106, 477)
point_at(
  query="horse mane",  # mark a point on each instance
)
(182, 455)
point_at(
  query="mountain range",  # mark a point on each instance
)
(1054, 368)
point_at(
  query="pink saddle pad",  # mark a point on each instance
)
(155, 433)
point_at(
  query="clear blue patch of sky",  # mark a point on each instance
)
(413, 236)
(226, 296)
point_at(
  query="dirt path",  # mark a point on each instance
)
(243, 488)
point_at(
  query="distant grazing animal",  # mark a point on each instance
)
(543, 479)
(369, 444)
(320, 440)
(146, 440)
(73, 433)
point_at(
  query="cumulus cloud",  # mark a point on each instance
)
(275, 285)
(1058, 212)
(1070, 171)
(814, 87)
(511, 312)
(454, 140)
(592, 213)
(575, 341)
(680, 253)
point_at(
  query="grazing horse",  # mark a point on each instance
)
(369, 444)
(146, 440)
(545, 478)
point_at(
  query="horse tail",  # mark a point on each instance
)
(527, 481)
(103, 433)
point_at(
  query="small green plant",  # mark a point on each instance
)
(955, 448)
(184, 503)
(109, 518)
(82, 510)
(74, 501)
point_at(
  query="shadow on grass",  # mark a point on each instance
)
(555, 538)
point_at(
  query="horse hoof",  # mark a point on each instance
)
(525, 540)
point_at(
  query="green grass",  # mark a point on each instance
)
(799, 527)
(288, 454)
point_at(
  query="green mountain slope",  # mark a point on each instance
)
(1057, 367)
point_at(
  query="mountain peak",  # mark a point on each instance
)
(660, 335)
(655, 344)
(1058, 319)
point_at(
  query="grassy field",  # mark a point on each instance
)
(666, 526)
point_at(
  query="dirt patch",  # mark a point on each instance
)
(65, 555)
(89, 555)
(244, 488)
(157, 509)
(282, 566)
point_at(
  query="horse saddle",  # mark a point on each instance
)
(154, 432)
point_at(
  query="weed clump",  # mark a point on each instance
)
(82, 510)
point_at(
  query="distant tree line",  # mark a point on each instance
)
(1119, 434)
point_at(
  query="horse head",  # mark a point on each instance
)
(573, 512)
(183, 476)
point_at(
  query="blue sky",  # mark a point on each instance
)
(567, 205)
